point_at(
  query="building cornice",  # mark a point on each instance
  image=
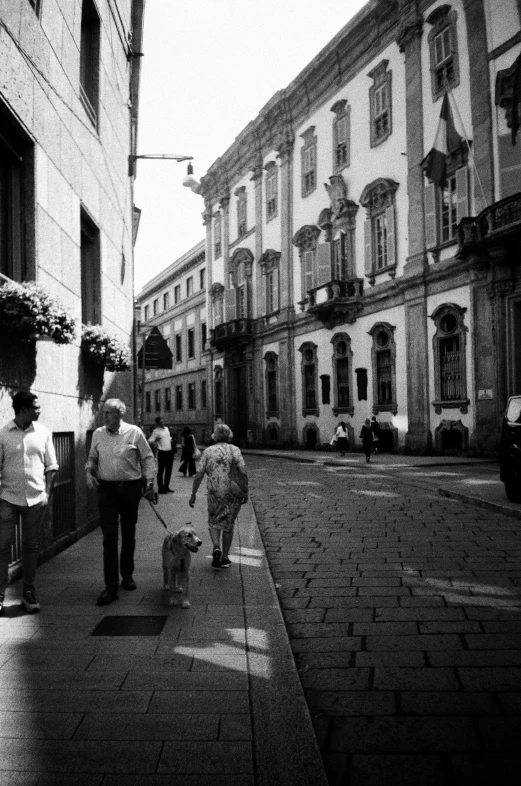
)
(349, 52)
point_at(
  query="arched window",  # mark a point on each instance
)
(449, 348)
(308, 366)
(238, 295)
(272, 372)
(342, 360)
(217, 299)
(379, 229)
(383, 355)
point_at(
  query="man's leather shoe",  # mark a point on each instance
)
(128, 584)
(106, 597)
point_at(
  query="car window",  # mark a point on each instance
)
(514, 410)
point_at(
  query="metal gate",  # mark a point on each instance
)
(63, 505)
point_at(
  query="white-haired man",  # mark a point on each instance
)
(119, 465)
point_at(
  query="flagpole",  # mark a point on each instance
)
(455, 109)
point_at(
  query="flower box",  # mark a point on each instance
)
(105, 349)
(28, 312)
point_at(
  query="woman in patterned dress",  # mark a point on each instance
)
(223, 506)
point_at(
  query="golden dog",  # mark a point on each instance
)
(177, 554)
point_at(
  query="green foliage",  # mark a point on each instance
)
(29, 312)
(105, 349)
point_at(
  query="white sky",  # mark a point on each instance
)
(209, 68)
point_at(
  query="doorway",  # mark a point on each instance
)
(238, 404)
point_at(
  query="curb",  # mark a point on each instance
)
(284, 741)
(480, 503)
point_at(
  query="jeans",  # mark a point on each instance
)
(31, 519)
(165, 460)
(118, 506)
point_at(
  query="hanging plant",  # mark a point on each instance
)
(105, 349)
(29, 312)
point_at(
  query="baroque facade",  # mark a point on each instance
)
(174, 302)
(345, 278)
(69, 86)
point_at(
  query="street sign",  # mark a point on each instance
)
(158, 354)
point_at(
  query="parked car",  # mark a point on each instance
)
(510, 449)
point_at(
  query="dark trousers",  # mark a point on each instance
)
(118, 505)
(165, 460)
(188, 464)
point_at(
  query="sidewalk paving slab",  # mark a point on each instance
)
(214, 696)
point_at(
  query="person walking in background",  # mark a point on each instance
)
(366, 435)
(120, 464)
(187, 452)
(342, 438)
(28, 468)
(223, 502)
(375, 429)
(160, 441)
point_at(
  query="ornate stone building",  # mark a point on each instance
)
(69, 93)
(355, 268)
(174, 302)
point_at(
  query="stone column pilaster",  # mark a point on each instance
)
(419, 435)
(286, 343)
(254, 372)
(480, 103)
(224, 204)
(409, 41)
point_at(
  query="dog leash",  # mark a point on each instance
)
(153, 503)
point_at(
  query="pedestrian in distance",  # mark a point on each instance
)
(187, 453)
(160, 441)
(227, 490)
(121, 467)
(28, 468)
(366, 435)
(342, 438)
(375, 429)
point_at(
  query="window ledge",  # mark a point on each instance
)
(314, 411)
(461, 404)
(392, 407)
(273, 413)
(390, 269)
(344, 410)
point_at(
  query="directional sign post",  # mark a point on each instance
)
(154, 354)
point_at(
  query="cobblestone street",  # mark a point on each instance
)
(403, 610)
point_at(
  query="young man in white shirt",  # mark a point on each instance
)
(161, 441)
(27, 470)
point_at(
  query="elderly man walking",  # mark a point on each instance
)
(27, 470)
(120, 466)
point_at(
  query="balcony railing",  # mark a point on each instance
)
(236, 333)
(337, 302)
(494, 224)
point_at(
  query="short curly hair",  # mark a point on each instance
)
(222, 433)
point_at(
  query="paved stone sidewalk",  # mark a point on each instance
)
(404, 613)
(212, 699)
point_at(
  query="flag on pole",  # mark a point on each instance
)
(446, 141)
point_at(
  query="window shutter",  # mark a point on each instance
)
(430, 215)
(264, 308)
(323, 264)
(368, 249)
(391, 235)
(275, 275)
(348, 138)
(308, 271)
(462, 193)
(230, 305)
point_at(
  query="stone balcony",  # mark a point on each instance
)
(496, 225)
(235, 334)
(337, 302)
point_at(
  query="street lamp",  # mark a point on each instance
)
(161, 156)
(190, 181)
